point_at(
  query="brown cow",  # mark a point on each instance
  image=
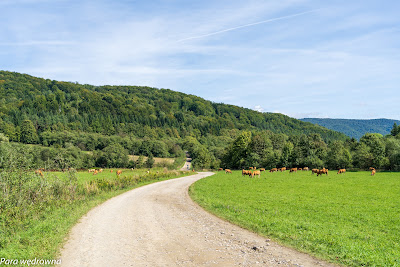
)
(251, 168)
(273, 170)
(293, 170)
(101, 170)
(228, 171)
(245, 172)
(373, 171)
(314, 171)
(322, 171)
(341, 171)
(111, 170)
(95, 172)
(119, 172)
(305, 169)
(220, 169)
(299, 169)
(256, 173)
(262, 170)
(283, 169)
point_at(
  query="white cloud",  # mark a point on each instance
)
(320, 63)
(258, 108)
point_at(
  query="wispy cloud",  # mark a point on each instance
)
(322, 61)
(248, 25)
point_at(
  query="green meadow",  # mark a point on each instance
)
(36, 213)
(352, 219)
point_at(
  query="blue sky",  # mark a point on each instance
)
(303, 58)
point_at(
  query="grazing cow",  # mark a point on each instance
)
(246, 172)
(293, 170)
(314, 171)
(119, 172)
(322, 171)
(273, 170)
(262, 170)
(220, 169)
(299, 169)
(91, 170)
(228, 171)
(283, 169)
(256, 173)
(95, 172)
(373, 171)
(305, 169)
(101, 170)
(251, 168)
(341, 171)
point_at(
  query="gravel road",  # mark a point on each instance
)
(159, 225)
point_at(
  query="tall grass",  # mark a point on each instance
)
(352, 219)
(37, 212)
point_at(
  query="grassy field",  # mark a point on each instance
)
(352, 219)
(37, 213)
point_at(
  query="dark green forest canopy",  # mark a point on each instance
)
(110, 110)
(81, 126)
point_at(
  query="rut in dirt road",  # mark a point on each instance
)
(159, 225)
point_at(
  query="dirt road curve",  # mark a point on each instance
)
(159, 225)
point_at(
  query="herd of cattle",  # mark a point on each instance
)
(252, 171)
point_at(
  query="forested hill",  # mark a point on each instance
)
(143, 111)
(355, 128)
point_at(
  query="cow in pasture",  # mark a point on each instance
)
(95, 172)
(245, 172)
(373, 171)
(299, 169)
(111, 170)
(251, 168)
(228, 171)
(256, 173)
(220, 169)
(101, 170)
(273, 170)
(293, 170)
(262, 170)
(91, 170)
(314, 171)
(119, 172)
(283, 169)
(322, 171)
(341, 171)
(305, 169)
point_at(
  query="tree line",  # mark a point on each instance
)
(269, 150)
(98, 122)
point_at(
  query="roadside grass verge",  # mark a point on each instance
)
(351, 219)
(37, 213)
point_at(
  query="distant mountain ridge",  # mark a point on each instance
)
(355, 128)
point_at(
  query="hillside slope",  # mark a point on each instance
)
(355, 128)
(138, 110)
